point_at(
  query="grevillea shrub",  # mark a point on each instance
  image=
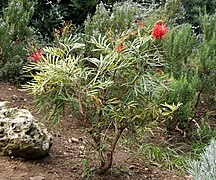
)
(119, 87)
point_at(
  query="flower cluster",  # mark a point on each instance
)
(120, 48)
(36, 56)
(159, 31)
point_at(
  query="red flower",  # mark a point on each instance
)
(36, 56)
(120, 48)
(159, 31)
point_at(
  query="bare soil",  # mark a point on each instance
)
(72, 155)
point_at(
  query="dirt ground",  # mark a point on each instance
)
(71, 156)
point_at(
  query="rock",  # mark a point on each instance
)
(74, 140)
(14, 97)
(21, 135)
(37, 178)
(3, 104)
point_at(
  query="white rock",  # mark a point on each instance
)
(21, 135)
(37, 178)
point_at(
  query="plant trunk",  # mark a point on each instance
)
(197, 102)
(106, 164)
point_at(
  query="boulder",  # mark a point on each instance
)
(21, 135)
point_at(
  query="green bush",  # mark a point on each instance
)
(47, 16)
(14, 35)
(187, 12)
(183, 90)
(119, 19)
(178, 47)
(52, 14)
(194, 8)
(108, 94)
(3, 3)
(205, 55)
(113, 88)
(191, 61)
(13, 72)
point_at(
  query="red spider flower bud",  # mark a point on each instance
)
(119, 48)
(36, 56)
(159, 31)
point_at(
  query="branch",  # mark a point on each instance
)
(79, 98)
(106, 166)
(197, 102)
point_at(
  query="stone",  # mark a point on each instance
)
(3, 104)
(21, 135)
(37, 178)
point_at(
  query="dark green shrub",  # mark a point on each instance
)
(47, 16)
(14, 35)
(205, 55)
(178, 47)
(3, 3)
(115, 21)
(191, 60)
(13, 72)
(187, 11)
(51, 14)
(77, 10)
(183, 90)
(193, 9)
